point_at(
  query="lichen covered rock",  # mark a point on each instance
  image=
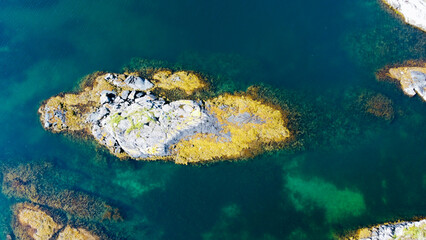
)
(121, 113)
(413, 11)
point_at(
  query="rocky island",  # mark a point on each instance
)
(413, 11)
(402, 231)
(412, 79)
(166, 115)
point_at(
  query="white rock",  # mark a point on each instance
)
(414, 11)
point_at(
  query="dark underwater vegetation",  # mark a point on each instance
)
(358, 157)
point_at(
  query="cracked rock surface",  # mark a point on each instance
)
(145, 126)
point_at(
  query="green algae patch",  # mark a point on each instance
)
(225, 228)
(137, 182)
(337, 204)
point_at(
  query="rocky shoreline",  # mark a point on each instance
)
(413, 11)
(122, 113)
(400, 230)
(412, 79)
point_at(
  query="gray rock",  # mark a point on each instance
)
(125, 94)
(98, 115)
(60, 114)
(138, 83)
(148, 126)
(419, 83)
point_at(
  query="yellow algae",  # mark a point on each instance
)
(377, 105)
(70, 233)
(183, 80)
(35, 223)
(355, 235)
(246, 138)
(364, 233)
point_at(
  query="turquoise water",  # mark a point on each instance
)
(318, 56)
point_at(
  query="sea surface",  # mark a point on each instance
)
(352, 170)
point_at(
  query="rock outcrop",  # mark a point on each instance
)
(411, 79)
(413, 11)
(121, 112)
(33, 222)
(401, 231)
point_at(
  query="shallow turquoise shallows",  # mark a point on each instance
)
(353, 170)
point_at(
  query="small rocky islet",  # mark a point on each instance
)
(410, 76)
(166, 115)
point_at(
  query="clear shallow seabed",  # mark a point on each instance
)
(355, 169)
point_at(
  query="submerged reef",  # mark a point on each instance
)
(337, 204)
(166, 115)
(34, 222)
(412, 79)
(31, 182)
(406, 230)
(377, 105)
(413, 11)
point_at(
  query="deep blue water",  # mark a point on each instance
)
(354, 169)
